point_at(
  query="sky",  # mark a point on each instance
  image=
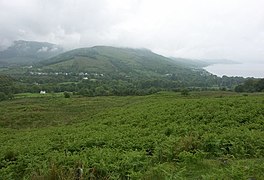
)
(198, 29)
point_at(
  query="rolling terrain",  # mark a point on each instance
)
(105, 70)
(88, 125)
(106, 59)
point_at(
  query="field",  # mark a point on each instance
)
(206, 135)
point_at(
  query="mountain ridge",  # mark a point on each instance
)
(113, 58)
(105, 70)
(23, 52)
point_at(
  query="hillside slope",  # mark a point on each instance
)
(104, 70)
(28, 53)
(104, 59)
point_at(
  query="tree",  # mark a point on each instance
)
(67, 94)
(251, 85)
(10, 96)
(2, 96)
(239, 88)
(185, 92)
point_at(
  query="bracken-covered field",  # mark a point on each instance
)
(206, 135)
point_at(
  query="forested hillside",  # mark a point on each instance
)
(251, 85)
(104, 70)
(112, 60)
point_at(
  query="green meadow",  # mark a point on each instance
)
(204, 135)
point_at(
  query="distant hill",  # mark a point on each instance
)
(219, 61)
(105, 59)
(105, 70)
(200, 63)
(194, 63)
(28, 53)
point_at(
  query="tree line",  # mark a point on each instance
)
(251, 85)
(112, 85)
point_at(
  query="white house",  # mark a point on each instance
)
(42, 92)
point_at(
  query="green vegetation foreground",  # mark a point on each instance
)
(161, 136)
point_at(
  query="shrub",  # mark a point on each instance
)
(2, 96)
(185, 92)
(10, 156)
(67, 94)
(168, 131)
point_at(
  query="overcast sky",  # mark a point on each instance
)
(211, 29)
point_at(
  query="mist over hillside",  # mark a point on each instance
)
(103, 59)
(28, 53)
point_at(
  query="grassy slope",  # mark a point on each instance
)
(82, 64)
(203, 136)
(103, 59)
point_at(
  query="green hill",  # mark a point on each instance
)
(123, 69)
(104, 59)
(104, 70)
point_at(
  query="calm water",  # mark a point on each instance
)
(244, 70)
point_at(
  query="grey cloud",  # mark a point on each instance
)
(193, 29)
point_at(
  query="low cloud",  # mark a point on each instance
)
(208, 29)
(43, 49)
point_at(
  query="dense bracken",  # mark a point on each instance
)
(206, 135)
